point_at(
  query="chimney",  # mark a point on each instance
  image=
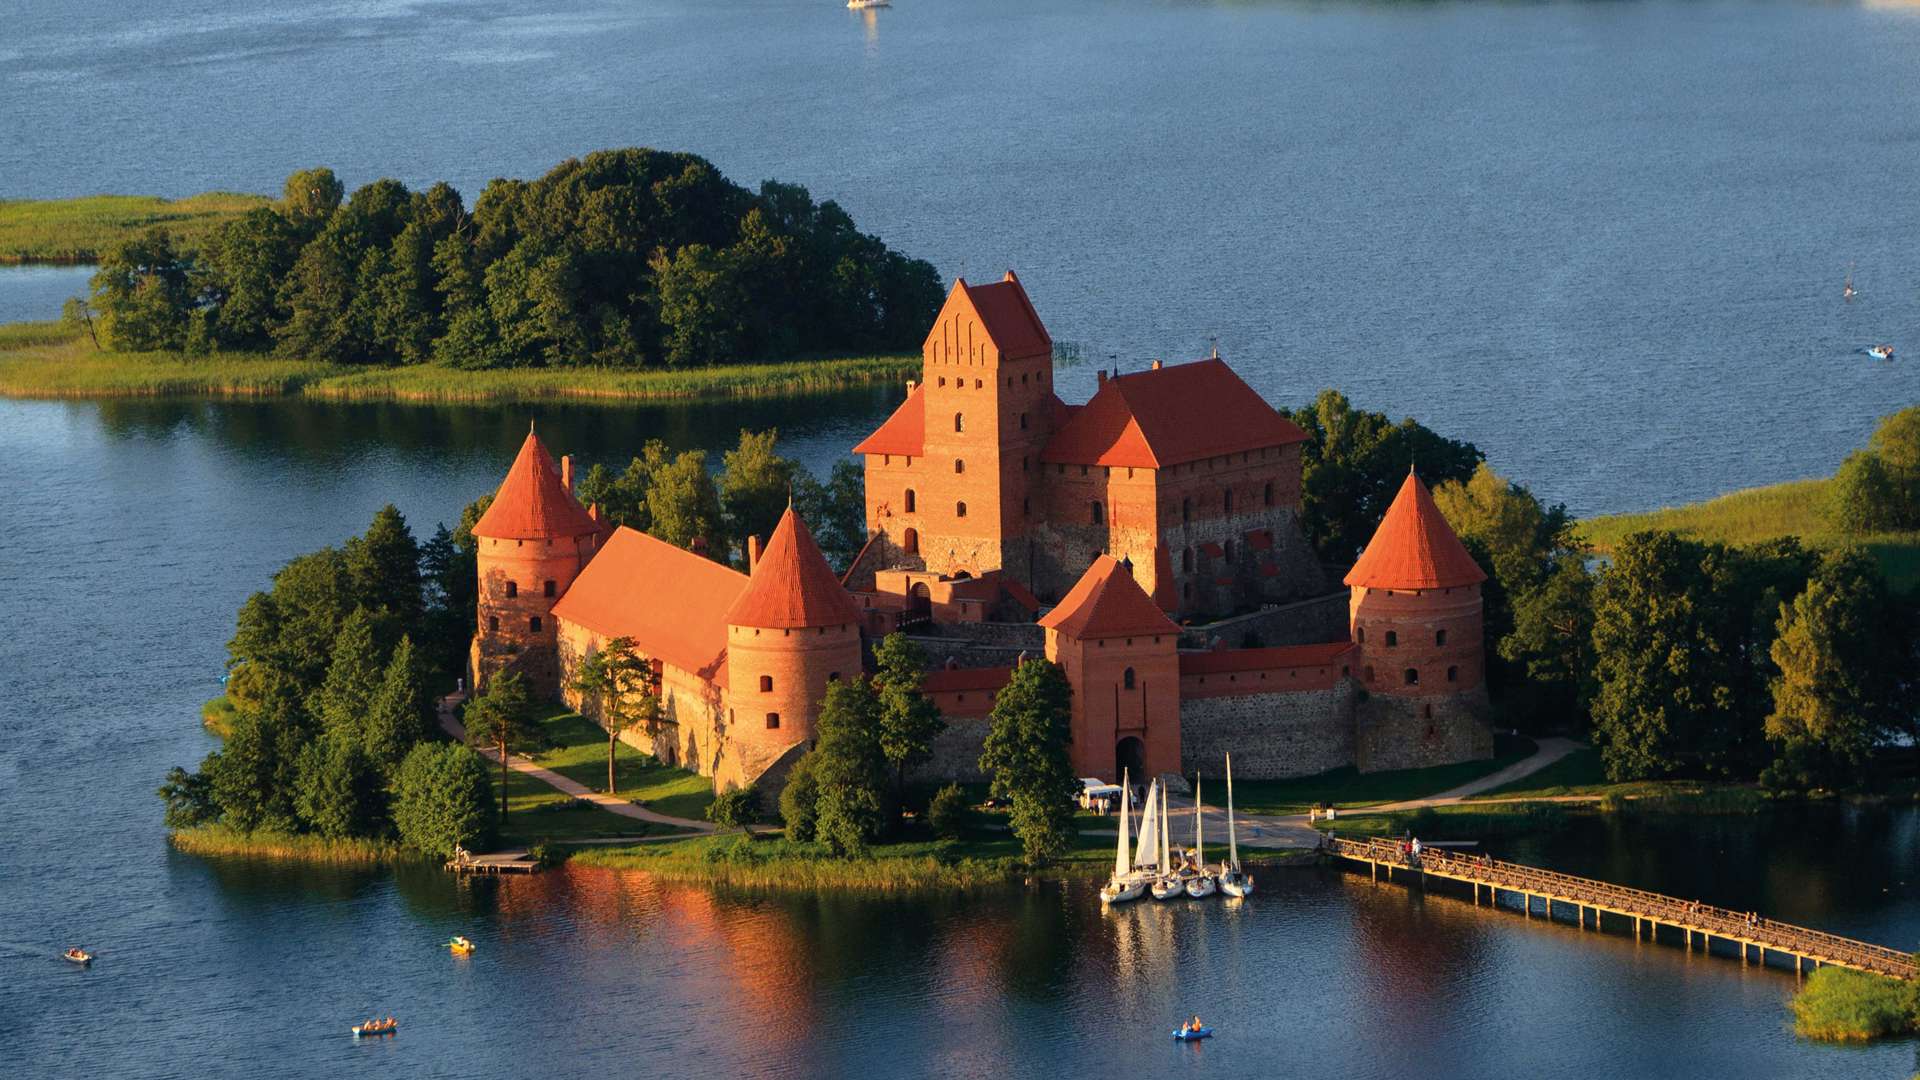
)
(753, 553)
(566, 472)
(910, 385)
(1156, 365)
(1102, 376)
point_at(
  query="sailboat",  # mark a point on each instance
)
(1169, 884)
(1200, 883)
(1126, 885)
(1233, 880)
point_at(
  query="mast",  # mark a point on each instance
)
(1166, 849)
(1199, 852)
(1120, 861)
(1233, 842)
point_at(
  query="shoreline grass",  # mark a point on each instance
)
(773, 862)
(1755, 515)
(221, 841)
(1839, 1005)
(68, 231)
(49, 360)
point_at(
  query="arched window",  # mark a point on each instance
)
(959, 509)
(1186, 511)
(766, 684)
(1186, 561)
(1266, 493)
(1453, 673)
(493, 624)
(1360, 635)
(533, 624)
(513, 589)
(959, 466)
(1393, 638)
(1023, 421)
(1413, 676)
(1099, 513)
(549, 588)
(910, 501)
(1126, 679)
(959, 422)
(773, 720)
(1226, 500)
(1439, 637)
(910, 541)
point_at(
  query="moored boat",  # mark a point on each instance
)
(1126, 884)
(1234, 881)
(1200, 883)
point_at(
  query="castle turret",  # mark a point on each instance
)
(1119, 651)
(1415, 615)
(790, 632)
(533, 540)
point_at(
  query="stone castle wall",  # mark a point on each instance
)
(1399, 732)
(1304, 622)
(1271, 735)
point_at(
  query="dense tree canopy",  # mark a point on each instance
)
(1027, 755)
(623, 258)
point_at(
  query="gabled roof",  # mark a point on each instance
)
(1006, 315)
(905, 432)
(532, 503)
(1221, 661)
(792, 586)
(671, 602)
(1170, 416)
(1106, 602)
(1414, 547)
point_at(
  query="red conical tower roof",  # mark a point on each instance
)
(1106, 602)
(532, 503)
(792, 586)
(1414, 547)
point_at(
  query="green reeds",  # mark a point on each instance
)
(1840, 1005)
(79, 230)
(779, 864)
(219, 840)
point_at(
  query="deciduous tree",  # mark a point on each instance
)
(909, 721)
(849, 769)
(442, 799)
(618, 680)
(501, 718)
(1026, 753)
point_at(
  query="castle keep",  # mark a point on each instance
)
(1148, 541)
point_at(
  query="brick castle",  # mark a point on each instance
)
(1149, 541)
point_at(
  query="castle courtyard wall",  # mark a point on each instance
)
(1272, 735)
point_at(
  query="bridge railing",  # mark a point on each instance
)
(1518, 877)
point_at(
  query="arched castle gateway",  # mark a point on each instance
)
(1148, 541)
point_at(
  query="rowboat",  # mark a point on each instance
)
(460, 946)
(79, 956)
(1193, 1034)
(375, 1027)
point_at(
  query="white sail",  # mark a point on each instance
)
(1199, 853)
(1233, 842)
(1148, 849)
(1121, 866)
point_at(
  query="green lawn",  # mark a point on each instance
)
(1348, 788)
(79, 230)
(1579, 773)
(577, 749)
(1763, 513)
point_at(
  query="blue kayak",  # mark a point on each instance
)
(1192, 1036)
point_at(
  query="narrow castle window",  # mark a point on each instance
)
(773, 720)
(1126, 678)
(943, 380)
(959, 466)
(1266, 493)
(1186, 561)
(1226, 550)
(1226, 500)
(1360, 635)
(1439, 637)
(1186, 511)
(493, 624)
(1413, 676)
(533, 624)
(1369, 673)
(513, 589)
(910, 502)
(910, 541)
(959, 422)
(1453, 674)
(549, 588)
(1099, 513)
(1393, 638)
(977, 384)
(959, 509)
(1026, 507)
(1026, 464)
(1023, 421)
(766, 684)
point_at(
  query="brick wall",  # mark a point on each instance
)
(1397, 732)
(1271, 735)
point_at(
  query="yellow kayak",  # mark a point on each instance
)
(460, 946)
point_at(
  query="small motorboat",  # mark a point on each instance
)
(376, 1027)
(79, 956)
(1193, 1034)
(1881, 352)
(460, 946)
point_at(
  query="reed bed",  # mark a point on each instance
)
(783, 865)
(79, 230)
(1838, 1005)
(219, 840)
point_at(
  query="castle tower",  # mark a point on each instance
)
(533, 540)
(790, 632)
(1415, 614)
(950, 475)
(1119, 651)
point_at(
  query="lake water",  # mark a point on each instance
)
(1605, 241)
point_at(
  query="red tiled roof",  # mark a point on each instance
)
(1008, 317)
(1260, 540)
(948, 680)
(1212, 550)
(671, 602)
(1106, 602)
(1021, 595)
(532, 503)
(904, 433)
(1170, 416)
(792, 585)
(1414, 547)
(1220, 661)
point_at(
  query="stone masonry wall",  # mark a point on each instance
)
(1306, 622)
(956, 752)
(1272, 736)
(1395, 732)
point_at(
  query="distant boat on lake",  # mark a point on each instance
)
(1881, 352)
(862, 5)
(1846, 291)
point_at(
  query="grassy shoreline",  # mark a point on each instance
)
(218, 840)
(76, 231)
(49, 361)
(1838, 1005)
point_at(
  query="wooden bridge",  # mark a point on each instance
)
(1649, 911)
